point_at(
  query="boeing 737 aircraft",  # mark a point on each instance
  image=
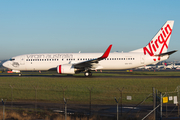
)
(72, 63)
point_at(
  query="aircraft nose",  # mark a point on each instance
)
(6, 64)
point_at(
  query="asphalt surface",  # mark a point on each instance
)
(95, 76)
(121, 73)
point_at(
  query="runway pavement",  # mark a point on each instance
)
(93, 76)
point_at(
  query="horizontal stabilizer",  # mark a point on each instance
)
(167, 53)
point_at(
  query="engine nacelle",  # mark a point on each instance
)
(16, 71)
(66, 69)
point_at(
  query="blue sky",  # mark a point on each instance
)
(44, 26)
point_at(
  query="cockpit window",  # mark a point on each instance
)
(12, 59)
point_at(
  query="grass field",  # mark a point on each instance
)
(76, 89)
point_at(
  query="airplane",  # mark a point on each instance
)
(73, 63)
(173, 66)
(147, 67)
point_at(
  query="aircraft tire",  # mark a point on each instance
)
(88, 74)
(20, 74)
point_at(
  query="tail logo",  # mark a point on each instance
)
(160, 41)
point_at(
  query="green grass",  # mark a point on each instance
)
(76, 88)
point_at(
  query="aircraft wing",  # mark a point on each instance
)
(93, 62)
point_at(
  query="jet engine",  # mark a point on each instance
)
(66, 69)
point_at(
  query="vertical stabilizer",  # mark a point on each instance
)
(159, 44)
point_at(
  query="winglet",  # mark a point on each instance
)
(106, 54)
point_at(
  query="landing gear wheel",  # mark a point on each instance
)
(20, 74)
(88, 74)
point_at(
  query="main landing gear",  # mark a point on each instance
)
(88, 74)
(20, 74)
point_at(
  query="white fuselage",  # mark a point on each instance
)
(38, 62)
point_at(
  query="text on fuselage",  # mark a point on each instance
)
(49, 56)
